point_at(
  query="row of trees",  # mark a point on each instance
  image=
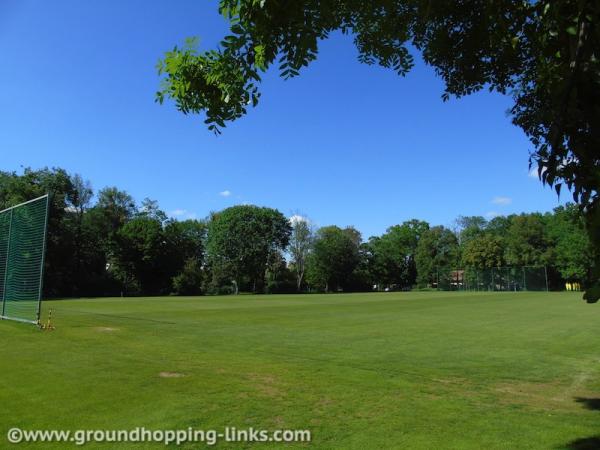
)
(106, 244)
(110, 246)
(413, 253)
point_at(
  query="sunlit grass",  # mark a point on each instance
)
(392, 370)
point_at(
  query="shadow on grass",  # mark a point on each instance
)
(590, 443)
(589, 403)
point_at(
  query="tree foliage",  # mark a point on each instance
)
(543, 54)
(138, 250)
(334, 257)
(570, 246)
(484, 252)
(190, 280)
(526, 241)
(392, 256)
(243, 241)
(301, 241)
(437, 249)
(469, 227)
(108, 245)
(104, 247)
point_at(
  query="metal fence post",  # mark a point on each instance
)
(39, 308)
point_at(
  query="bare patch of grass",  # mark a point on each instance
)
(266, 384)
(545, 396)
(171, 375)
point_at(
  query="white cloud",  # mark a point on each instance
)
(297, 218)
(225, 193)
(502, 201)
(491, 214)
(182, 214)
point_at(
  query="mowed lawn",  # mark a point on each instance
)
(423, 370)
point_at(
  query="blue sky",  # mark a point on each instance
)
(344, 143)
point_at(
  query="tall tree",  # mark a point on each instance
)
(335, 256)
(570, 246)
(526, 241)
(242, 242)
(437, 250)
(138, 261)
(150, 208)
(301, 240)
(81, 202)
(82, 195)
(543, 53)
(185, 255)
(115, 208)
(392, 256)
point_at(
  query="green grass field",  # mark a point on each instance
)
(392, 370)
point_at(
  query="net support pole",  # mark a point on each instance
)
(546, 276)
(39, 306)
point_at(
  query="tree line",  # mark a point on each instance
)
(105, 243)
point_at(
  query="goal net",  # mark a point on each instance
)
(22, 247)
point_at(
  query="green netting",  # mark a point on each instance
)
(22, 245)
(526, 278)
(4, 228)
